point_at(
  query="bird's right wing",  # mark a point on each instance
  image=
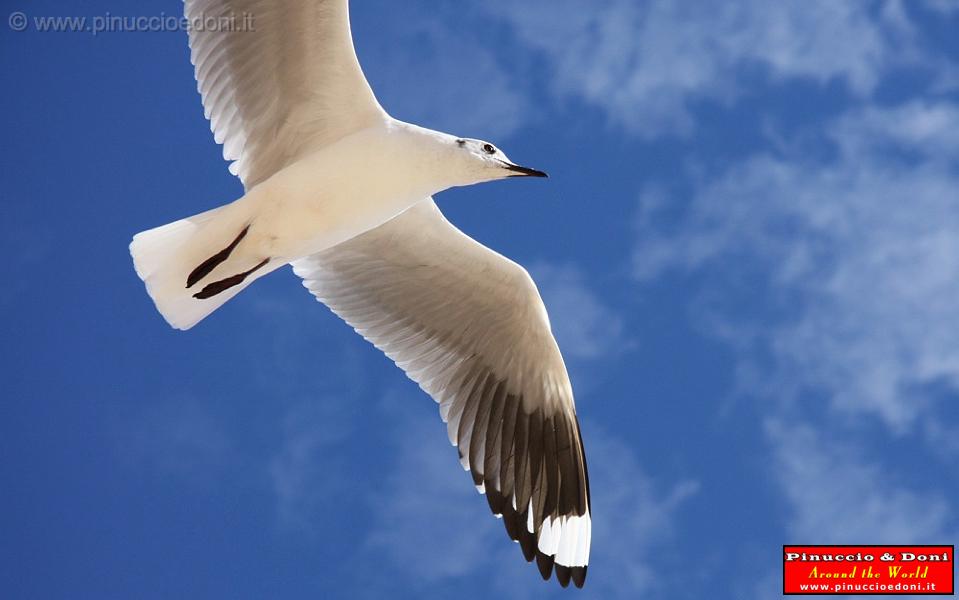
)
(469, 326)
(279, 79)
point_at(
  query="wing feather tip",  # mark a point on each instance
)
(578, 575)
(545, 564)
(563, 574)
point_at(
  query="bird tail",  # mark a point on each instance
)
(189, 266)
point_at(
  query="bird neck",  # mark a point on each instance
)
(430, 156)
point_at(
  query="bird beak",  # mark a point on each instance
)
(519, 171)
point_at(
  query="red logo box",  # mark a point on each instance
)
(869, 570)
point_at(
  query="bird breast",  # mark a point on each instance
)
(336, 193)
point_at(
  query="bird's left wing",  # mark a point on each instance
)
(278, 78)
(469, 326)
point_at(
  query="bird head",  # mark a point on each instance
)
(482, 161)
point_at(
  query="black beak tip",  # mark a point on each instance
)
(525, 172)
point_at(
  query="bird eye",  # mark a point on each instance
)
(489, 149)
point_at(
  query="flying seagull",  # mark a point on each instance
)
(341, 191)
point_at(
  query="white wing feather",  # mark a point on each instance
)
(290, 86)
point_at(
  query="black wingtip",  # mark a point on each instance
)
(545, 564)
(527, 541)
(562, 575)
(511, 520)
(579, 575)
(511, 523)
(495, 500)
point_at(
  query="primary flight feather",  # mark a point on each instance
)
(341, 191)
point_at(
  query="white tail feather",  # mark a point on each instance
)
(165, 256)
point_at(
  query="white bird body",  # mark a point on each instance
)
(343, 192)
(351, 186)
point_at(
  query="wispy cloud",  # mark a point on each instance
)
(312, 368)
(837, 494)
(308, 473)
(430, 73)
(858, 251)
(428, 508)
(947, 7)
(646, 63)
(830, 263)
(585, 326)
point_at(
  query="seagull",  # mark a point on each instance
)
(341, 191)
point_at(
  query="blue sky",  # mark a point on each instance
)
(749, 247)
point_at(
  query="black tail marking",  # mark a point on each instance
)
(207, 266)
(224, 284)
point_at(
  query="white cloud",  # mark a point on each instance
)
(308, 475)
(836, 494)
(428, 508)
(428, 73)
(925, 129)
(860, 255)
(831, 265)
(585, 327)
(947, 7)
(644, 63)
